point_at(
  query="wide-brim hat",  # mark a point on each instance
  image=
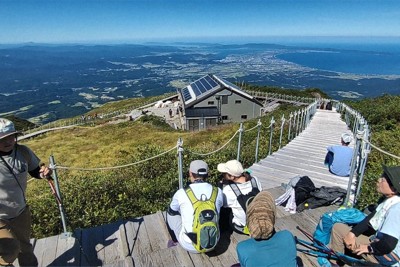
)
(232, 167)
(393, 173)
(7, 128)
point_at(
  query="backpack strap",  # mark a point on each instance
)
(194, 200)
(235, 189)
(253, 183)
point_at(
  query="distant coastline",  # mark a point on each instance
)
(48, 82)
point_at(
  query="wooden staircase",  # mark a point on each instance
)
(143, 241)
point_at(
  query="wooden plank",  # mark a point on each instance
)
(46, 250)
(92, 242)
(225, 250)
(112, 250)
(138, 243)
(157, 231)
(68, 251)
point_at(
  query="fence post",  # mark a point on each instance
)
(58, 197)
(180, 162)
(290, 125)
(365, 149)
(354, 164)
(240, 141)
(258, 139)
(270, 135)
(298, 122)
(282, 124)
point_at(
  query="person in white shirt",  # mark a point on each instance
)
(180, 212)
(235, 178)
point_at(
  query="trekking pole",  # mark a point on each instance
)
(56, 192)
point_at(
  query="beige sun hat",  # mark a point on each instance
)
(7, 128)
(233, 167)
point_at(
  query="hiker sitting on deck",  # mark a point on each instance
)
(265, 247)
(338, 158)
(183, 212)
(239, 188)
(376, 238)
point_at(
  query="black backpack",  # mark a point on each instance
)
(245, 200)
(303, 189)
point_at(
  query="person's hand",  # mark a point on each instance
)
(45, 172)
(350, 241)
(361, 249)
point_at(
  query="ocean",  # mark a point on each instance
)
(367, 59)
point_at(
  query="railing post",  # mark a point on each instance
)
(258, 139)
(180, 162)
(290, 125)
(282, 124)
(365, 148)
(270, 135)
(239, 142)
(353, 165)
(298, 122)
(58, 197)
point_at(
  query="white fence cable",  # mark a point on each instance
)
(381, 150)
(215, 151)
(251, 129)
(115, 167)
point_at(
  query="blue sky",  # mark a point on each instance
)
(118, 21)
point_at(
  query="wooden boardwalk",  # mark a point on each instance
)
(143, 241)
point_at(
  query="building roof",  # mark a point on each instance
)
(207, 86)
(202, 112)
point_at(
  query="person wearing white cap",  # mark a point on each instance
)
(338, 159)
(180, 214)
(16, 161)
(239, 188)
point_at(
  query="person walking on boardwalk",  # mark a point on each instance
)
(239, 188)
(185, 209)
(266, 247)
(338, 159)
(16, 161)
(376, 238)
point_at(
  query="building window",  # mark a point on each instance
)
(211, 122)
(193, 125)
(224, 99)
(210, 102)
(238, 101)
(224, 118)
(244, 117)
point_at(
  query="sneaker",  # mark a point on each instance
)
(171, 243)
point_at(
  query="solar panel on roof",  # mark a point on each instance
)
(195, 89)
(211, 81)
(231, 84)
(186, 94)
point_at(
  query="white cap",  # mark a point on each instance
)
(347, 138)
(232, 167)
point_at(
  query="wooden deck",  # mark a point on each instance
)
(143, 241)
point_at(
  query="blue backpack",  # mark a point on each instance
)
(348, 216)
